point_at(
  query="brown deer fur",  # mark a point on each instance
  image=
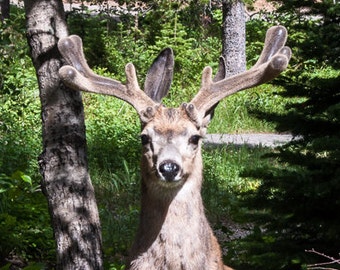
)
(174, 232)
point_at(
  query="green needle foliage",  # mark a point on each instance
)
(295, 206)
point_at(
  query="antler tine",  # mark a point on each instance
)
(273, 60)
(80, 77)
(276, 38)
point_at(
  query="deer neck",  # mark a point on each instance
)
(185, 201)
(175, 213)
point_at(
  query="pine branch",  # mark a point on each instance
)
(319, 266)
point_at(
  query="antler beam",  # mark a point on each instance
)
(77, 75)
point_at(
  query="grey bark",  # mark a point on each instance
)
(234, 36)
(4, 9)
(63, 163)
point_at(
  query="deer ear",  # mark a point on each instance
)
(221, 72)
(159, 77)
(220, 75)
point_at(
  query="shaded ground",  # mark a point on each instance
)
(236, 230)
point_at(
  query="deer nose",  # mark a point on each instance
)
(169, 170)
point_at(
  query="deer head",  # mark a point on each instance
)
(171, 136)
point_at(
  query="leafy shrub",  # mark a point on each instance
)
(19, 132)
(113, 147)
(24, 222)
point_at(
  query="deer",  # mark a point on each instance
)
(173, 231)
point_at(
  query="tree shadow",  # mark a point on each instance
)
(295, 206)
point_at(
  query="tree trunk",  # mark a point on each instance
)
(4, 9)
(63, 163)
(234, 36)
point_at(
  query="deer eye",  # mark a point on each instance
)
(194, 139)
(145, 139)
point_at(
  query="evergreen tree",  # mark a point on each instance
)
(295, 209)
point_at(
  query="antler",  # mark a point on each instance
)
(80, 77)
(273, 60)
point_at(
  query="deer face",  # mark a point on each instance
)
(171, 142)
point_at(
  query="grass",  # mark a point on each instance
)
(235, 114)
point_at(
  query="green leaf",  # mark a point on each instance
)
(19, 175)
(26, 179)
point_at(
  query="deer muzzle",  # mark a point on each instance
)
(169, 170)
(169, 163)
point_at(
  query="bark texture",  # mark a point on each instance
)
(63, 163)
(234, 36)
(4, 9)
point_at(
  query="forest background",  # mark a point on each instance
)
(268, 206)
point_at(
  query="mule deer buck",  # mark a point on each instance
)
(173, 232)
